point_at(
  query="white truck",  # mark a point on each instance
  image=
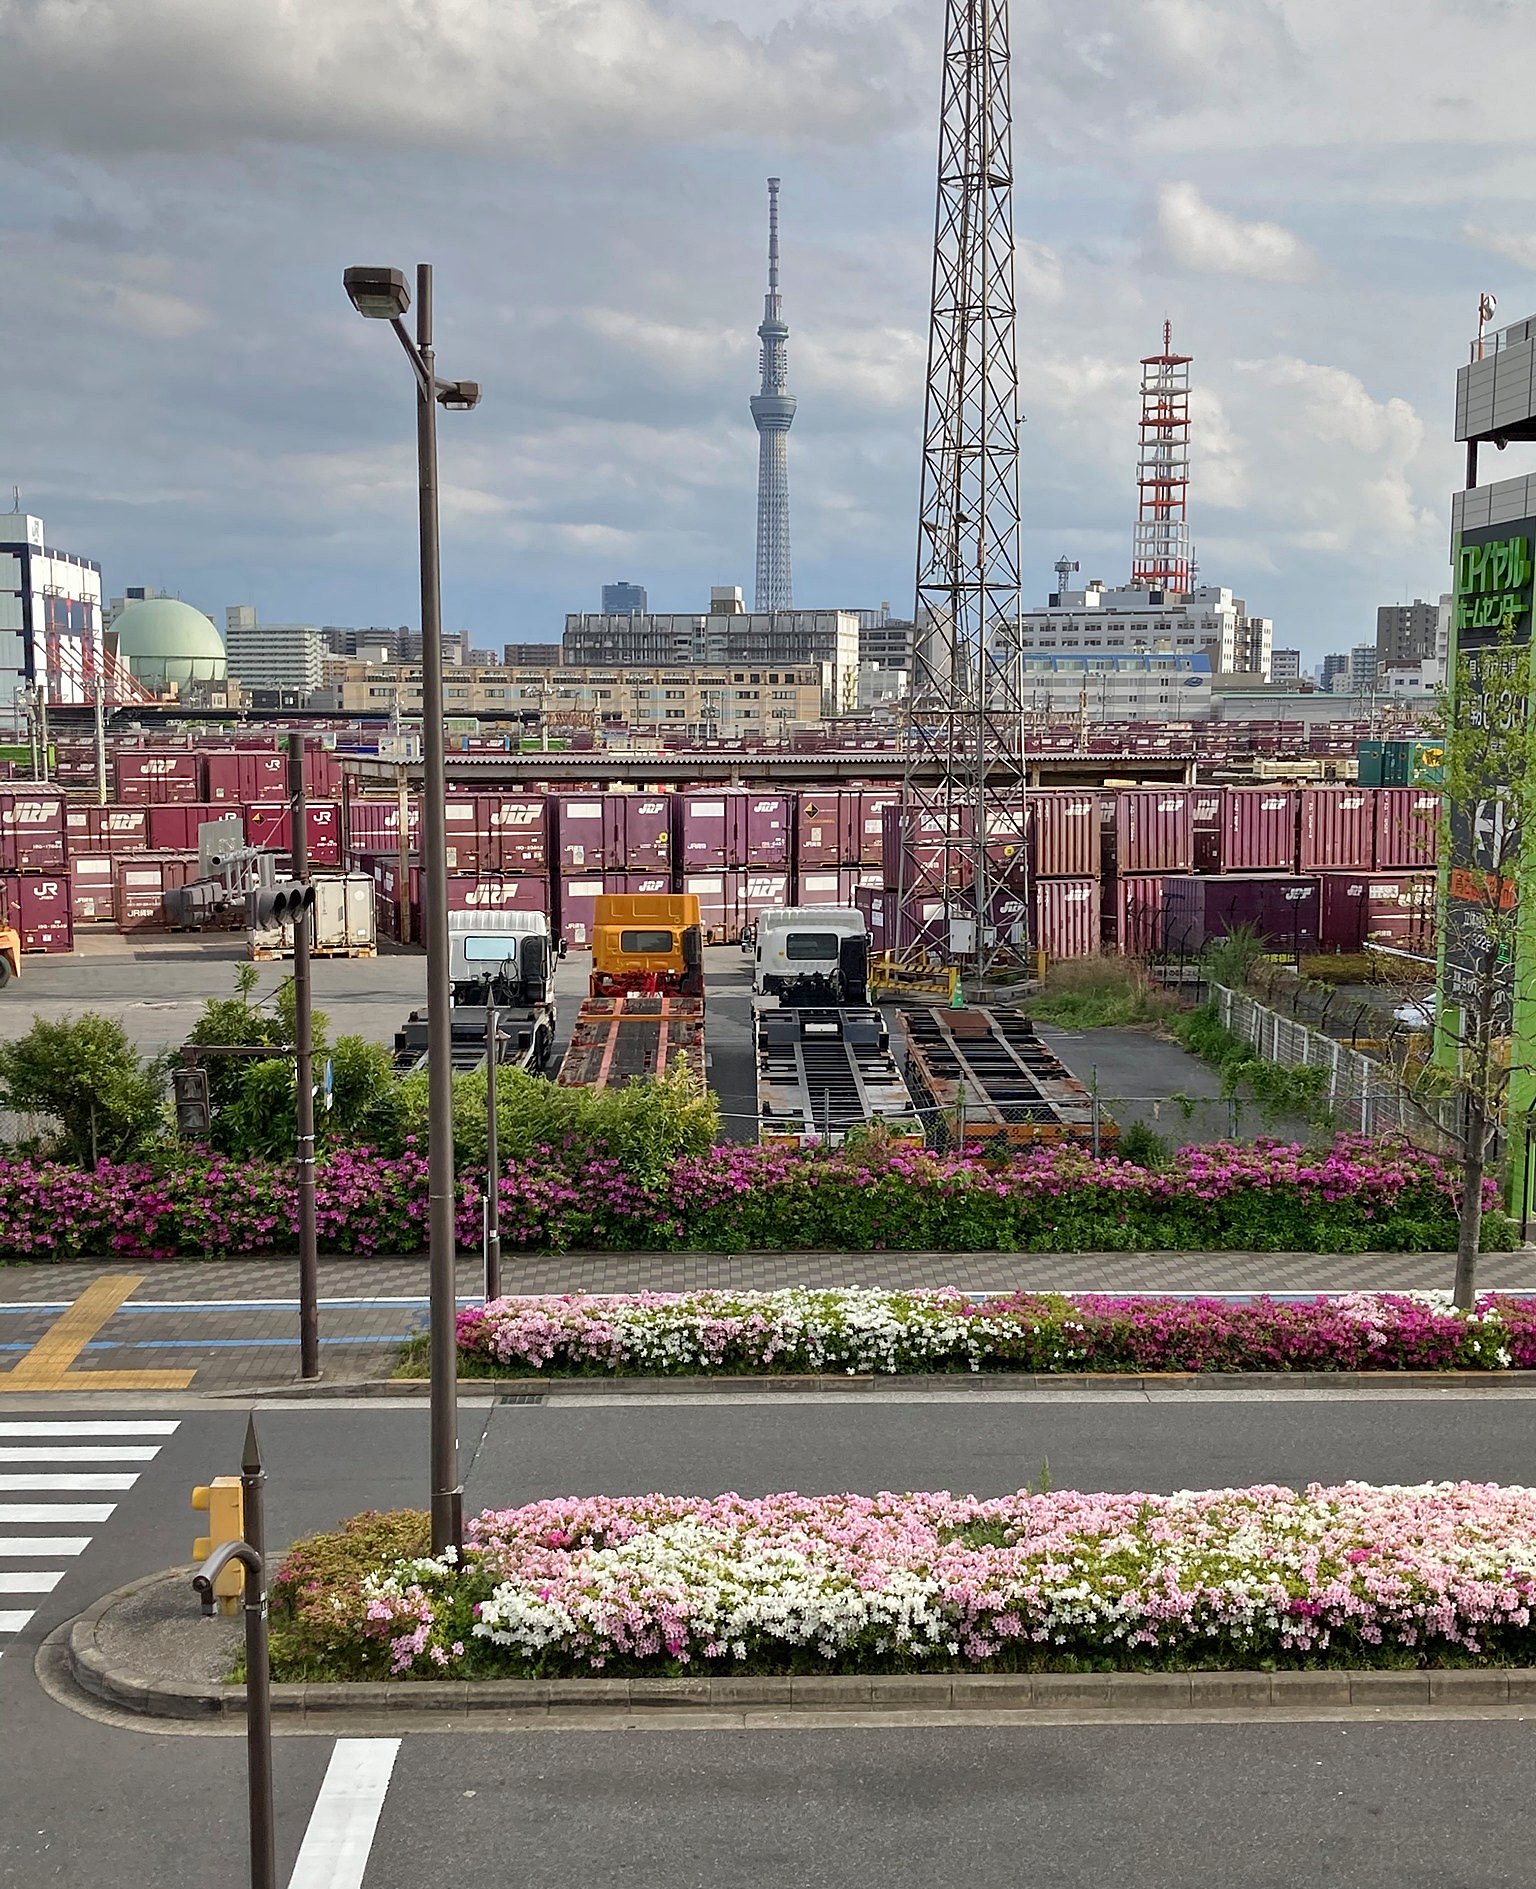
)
(810, 954)
(501, 959)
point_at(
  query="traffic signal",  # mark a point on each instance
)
(271, 905)
(223, 1502)
(194, 1114)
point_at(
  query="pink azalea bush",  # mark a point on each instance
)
(1355, 1196)
(1352, 1575)
(659, 1334)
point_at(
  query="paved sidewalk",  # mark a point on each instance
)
(234, 1324)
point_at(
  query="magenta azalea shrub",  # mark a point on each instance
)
(1356, 1196)
(655, 1334)
(1353, 1575)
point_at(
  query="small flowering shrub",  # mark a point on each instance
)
(1440, 1574)
(1356, 1196)
(654, 1334)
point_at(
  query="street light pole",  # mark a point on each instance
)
(381, 294)
(492, 1154)
(304, 1074)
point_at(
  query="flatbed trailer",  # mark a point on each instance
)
(986, 1079)
(618, 1038)
(525, 1036)
(823, 1072)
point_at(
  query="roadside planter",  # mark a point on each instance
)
(863, 1332)
(1261, 1578)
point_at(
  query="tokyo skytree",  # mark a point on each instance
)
(773, 412)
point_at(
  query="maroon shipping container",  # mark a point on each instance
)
(173, 829)
(922, 921)
(524, 892)
(824, 885)
(641, 882)
(516, 827)
(148, 775)
(1154, 830)
(1400, 911)
(1137, 913)
(868, 837)
(760, 829)
(914, 855)
(576, 904)
(1067, 921)
(824, 828)
(270, 827)
(1280, 908)
(701, 830)
(32, 830)
(106, 829)
(1066, 826)
(39, 907)
(375, 825)
(716, 893)
(246, 776)
(92, 889)
(753, 890)
(1338, 829)
(1407, 828)
(1259, 829)
(1205, 813)
(1342, 909)
(580, 832)
(143, 880)
(637, 832)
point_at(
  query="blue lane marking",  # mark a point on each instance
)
(225, 1344)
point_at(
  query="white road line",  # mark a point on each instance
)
(84, 1453)
(31, 1581)
(56, 1511)
(76, 1481)
(339, 1839)
(35, 1547)
(86, 1427)
(13, 1622)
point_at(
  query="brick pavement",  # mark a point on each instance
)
(235, 1322)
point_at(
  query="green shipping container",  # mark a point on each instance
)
(1369, 757)
(1426, 763)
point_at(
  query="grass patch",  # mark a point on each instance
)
(1247, 1077)
(1101, 994)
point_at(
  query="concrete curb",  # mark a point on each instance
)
(526, 1700)
(551, 1389)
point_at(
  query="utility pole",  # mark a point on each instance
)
(492, 1156)
(304, 1055)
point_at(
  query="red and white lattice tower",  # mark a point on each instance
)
(1161, 558)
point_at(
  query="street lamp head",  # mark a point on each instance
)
(380, 294)
(458, 396)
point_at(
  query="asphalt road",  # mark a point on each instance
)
(1239, 1806)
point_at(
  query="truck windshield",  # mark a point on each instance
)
(801, 945)
(646, 943)
(490, 950)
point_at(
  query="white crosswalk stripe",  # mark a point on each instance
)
(50, 1465)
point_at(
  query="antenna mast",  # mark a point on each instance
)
(963, 793)
(1160, 556)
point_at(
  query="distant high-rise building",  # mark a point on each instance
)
(1405, 632)
(1362, 668)
(539, 655)
(1333, 673)
(1285, 665)
(773, 412)
(286, 658)
(623, 599)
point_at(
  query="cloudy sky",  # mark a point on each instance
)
(1313, 192)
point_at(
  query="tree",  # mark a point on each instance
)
(85, 1073)
(1488, 841)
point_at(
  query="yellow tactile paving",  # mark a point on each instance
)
(47, 1366)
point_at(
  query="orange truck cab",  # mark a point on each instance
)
(646, 944)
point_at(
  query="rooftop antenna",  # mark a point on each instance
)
(1487, 307)
(15, 498)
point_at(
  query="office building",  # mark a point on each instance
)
(1333, 674)
(1208, 620)
(1285, 665)
(727, 635)
(536, 655)
(50, 616)
(700, 701)
(624, 599)
(1162, 685)
(886, 643)
(1361, 675)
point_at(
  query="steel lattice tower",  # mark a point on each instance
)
(773, 412)
(964, 777)
(1161, 557)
